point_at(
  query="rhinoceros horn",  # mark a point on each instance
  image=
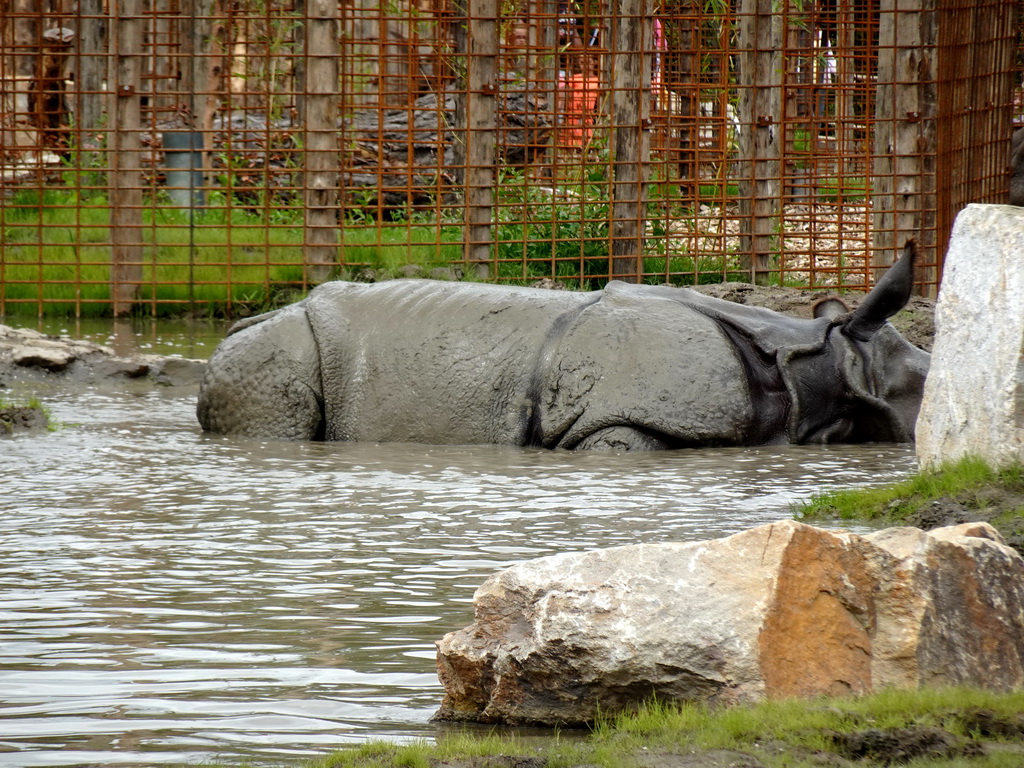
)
(887, 298)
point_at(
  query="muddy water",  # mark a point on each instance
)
(168, 596)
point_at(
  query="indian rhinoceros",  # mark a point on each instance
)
(628, 367)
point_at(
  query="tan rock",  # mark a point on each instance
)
(43, 354)
(950, 608)
(816, 636)
(780, 610)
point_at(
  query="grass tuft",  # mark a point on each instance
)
(962, 479)
(33, 403)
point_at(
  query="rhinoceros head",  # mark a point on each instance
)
(872, 389)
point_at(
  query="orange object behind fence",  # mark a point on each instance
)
(581, 92)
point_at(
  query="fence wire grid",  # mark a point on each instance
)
(223, 156)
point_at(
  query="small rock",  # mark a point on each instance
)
(365, 276)
(120, 366)
(26, 354)
(446, 273)
(549, 284)
(50, 358)
(180, 371)
(411, 270)
(20, 335)
(22, 419)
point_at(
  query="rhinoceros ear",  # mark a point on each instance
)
(887, 298)
(830, 307)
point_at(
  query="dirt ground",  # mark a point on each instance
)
(990, 737)
(1002, 507)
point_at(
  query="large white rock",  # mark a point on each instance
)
(974, 394)
(777, 611)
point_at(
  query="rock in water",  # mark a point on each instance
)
(974, 394)
(28, 353)
(15, 419)
(780, 610)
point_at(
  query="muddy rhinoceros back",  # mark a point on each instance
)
(431, 362)
(402, 361)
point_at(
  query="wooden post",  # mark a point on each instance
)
(200, 68)
(19, 133)
(760, 138)
(321, 96)
(362, 29)
(542, 56)
(124, 144)
(478, 123)
(396, 62)
(162, 63)
(460, 44)
(90, 71)
(631, 124)
(298, 62)
(687, 40)
(903, 195)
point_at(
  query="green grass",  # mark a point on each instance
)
(389, 248)
(846, 189)
(777, 733)
(55, 248)
(59, 244)
(567, 236)
(962, 479)
(33, 402)
(799, 721)
(693, 270)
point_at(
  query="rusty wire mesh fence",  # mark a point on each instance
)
(224, 155)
